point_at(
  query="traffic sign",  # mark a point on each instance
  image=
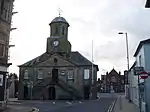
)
(138, 70)
(144, 75)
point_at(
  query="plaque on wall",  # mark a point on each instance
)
(1, 80)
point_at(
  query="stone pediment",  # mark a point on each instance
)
(61, 61)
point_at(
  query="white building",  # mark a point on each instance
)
(142, 56)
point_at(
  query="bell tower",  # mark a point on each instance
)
(59, 28)
(58, 40)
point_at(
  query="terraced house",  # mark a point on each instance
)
(59, 73)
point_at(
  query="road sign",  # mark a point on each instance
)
(144, 75)
(138, 70)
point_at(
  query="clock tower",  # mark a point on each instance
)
(58, 40)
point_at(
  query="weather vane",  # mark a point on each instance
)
(60, 11)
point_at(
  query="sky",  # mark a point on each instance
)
(97, 20)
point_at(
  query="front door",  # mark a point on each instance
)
(86, 92)
(55, 75)
(52, 93)
(25, 92)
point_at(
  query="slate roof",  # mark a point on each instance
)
(76, 58)
(147, 41)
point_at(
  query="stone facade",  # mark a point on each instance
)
(59, 73)
(5, 28)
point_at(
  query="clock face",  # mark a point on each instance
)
(56, 43)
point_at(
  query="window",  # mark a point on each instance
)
(113, 79)
(6, 10)
(63, 30)
(26, 75)
(40, 74)
(86, 73)
(2, 48)
(1, 80)
(56, 31)
(140, 60)
(70, 75)
(63, 73)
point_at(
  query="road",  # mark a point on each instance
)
(100, 105)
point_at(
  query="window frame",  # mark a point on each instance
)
(1, 81)
(26, 74)
(3, 49)
(6, 10)
(88, 76)
(40, 75)
(68, 75)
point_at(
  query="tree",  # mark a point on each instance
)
(147, 5)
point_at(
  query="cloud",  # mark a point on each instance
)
(97, 20)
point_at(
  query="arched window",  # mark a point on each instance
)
(63, 30)
(56, 30)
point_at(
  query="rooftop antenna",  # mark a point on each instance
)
(60, 11)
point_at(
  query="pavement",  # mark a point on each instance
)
(13, 108)
(123, 105)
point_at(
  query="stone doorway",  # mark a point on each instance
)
(55, 75)
(25, 92)
(52, 93)
(86, 92)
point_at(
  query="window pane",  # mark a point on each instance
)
(26, 74)
(70, 74)
(40, 75)
(86, 73)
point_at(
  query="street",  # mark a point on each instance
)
(100, 105)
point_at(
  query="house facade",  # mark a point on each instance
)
(6, 7)
(112, 80)
(140, 89)
(59, 73)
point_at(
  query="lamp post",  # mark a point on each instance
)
(127, 48)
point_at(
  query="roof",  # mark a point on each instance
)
(147, 41)
(59, 19)
(113, 71)
(76, 58)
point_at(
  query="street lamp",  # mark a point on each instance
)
(127, 47)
